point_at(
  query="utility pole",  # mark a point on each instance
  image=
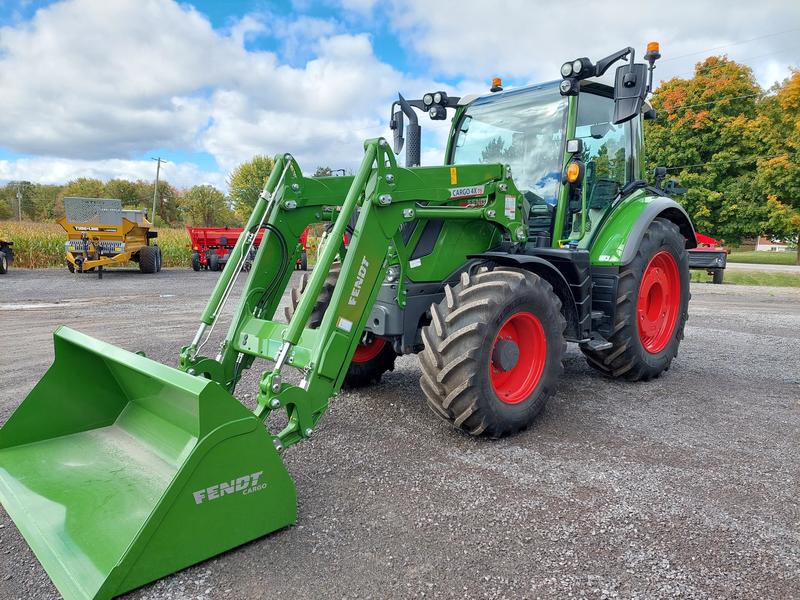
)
(158, 160)
(19, 201)
(19, 195)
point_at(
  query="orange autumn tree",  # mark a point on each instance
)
(707, 134)
(778, 174)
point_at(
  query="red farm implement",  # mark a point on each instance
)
(710, 255)
(212, 246)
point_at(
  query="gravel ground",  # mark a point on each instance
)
(686, 486)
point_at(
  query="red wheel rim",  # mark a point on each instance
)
(369, 350)
(659, 302)
(516, 383)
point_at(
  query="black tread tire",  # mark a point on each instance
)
(158, 267)
(718, 276)
(627, 358)
(3, 263)
(455, 366)
(358, 374)
(148, 259)
(304, 261)
(213, 262)
(195, 261)
(70, 267)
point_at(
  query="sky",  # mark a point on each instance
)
(96, 88)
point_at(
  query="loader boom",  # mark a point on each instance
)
(385, 196)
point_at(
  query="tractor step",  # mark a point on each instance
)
(599, 343)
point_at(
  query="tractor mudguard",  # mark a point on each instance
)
(549, 272)
(618, 239)
(136, 471)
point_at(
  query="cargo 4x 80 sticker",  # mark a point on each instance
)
(246, 484)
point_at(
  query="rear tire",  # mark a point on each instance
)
(653, 289)
(371, 359)
(195, 261)
(213, 262)
(70, 267)
(719, 275)
(468, 378)
(3, 263)
(304, 261)
(148, 259)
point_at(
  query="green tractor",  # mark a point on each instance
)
(538, 230)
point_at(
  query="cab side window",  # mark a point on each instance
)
(605, 149)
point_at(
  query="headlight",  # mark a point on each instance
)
(565, 86)
(566, 69)
(427, 99)
(577, 66)
(392, 274)
(437, 97)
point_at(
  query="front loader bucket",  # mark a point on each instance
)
(119, 470)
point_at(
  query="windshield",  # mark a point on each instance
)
(523, 128)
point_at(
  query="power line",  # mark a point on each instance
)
(725, 162)
(741, 61)
(738, 43)
(717, 101)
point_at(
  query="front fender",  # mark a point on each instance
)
(618, 239)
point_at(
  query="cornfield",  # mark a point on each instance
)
(40, 245)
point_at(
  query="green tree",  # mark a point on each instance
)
(44, 202)
(710, 120)
(16, 195)
(83, 187)
(246, 183)
(206, 206)
(124, 190)
(323, 172)
(6, 210)
(167, 205)
(778, 173)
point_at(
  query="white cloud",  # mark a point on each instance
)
(529, 39)
(93, 80)
(60, 170)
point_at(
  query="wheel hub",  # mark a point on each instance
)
(505, 355)
(658, 304)
(518, 357)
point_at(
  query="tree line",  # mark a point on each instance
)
(734, 147)
(201, 205)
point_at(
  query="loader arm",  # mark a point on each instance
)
(385, 196)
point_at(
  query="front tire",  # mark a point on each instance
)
(652, 308)
(493, 351)
(719, 275)
(3, 263)
(195, 261)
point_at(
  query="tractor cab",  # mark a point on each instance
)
(572, 145)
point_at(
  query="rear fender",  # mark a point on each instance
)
(619, 237)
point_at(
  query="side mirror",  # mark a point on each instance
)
(396, 125)
(630, 89)
(672, 188)
(658, 174)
